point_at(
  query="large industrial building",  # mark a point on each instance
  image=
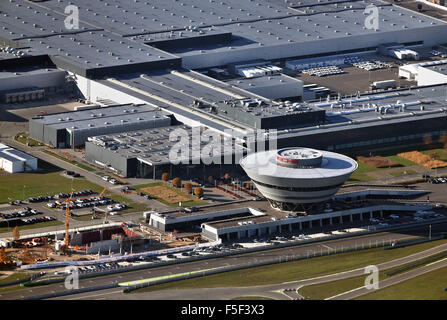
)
(233, 65)
(71, 129)
(149, 153)
(293, 179)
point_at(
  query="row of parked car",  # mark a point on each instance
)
(26, 212)
(60, 195)
(403, 218)
(82, 203)
(37, 219)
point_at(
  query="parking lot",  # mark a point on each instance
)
(25, 216)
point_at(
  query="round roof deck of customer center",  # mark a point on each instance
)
(296, 163)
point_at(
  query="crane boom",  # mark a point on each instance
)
(67, 213)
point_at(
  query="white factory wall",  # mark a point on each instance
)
(93, 90)
(11, 166)
(436, 36)
(428, 77)
(39, 80)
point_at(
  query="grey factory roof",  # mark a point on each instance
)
(277, 79)
(17, 154)
(132, 17)
(6, 156)
(442, 68)
(396, 103)
(267, 110)
(25, 71)
(103, 117)
(152, 146)
(109, 121)
(180, 87)
(100, 114)
(363, 112)
(111, 35)
(320, 26)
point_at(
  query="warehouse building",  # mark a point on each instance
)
(13, 161)
(259, 114)
(149, 153)
(71, 129)
(31, 83)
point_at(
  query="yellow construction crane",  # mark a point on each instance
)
(67, 214)
(102, 192)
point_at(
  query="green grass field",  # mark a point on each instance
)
(252, 298)
(20, 186)
(441, 152)
(75, 163)
(34, 226)
(325, 290)
(26, 140)
(429, 286)
(361, 174)
(296, 270)
(14, 277)
(402, 173)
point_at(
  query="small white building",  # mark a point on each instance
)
(12, 160)
(426, 73)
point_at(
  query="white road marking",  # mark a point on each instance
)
(96, 295)
(435, 262)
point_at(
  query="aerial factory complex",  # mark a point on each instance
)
(141, 134)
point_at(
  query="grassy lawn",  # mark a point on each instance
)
(402, 173)
(252, 298)
(361, 173)
(441, 152)
(75, 163)
(296, 270)
(402, 161)
(34, 226)
(153, 184)
(12, 186)
(193, 202)
(26, 140)
(14, 277)
(429, 286)
(325, 290)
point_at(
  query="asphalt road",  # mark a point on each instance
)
(275, 291)
(247, 259)
(391, 281)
